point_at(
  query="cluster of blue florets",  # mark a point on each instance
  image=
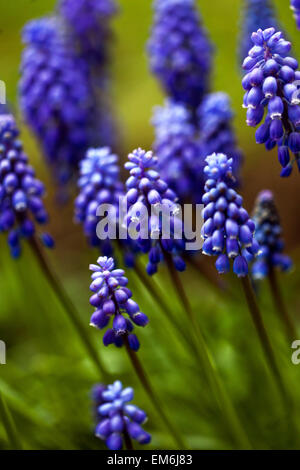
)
(228, 231)
(146, 192)
(269, 85)
(21, 192)
(98, 184)
(179, 51)
(268, 234)
(112, 300)
(117, 417)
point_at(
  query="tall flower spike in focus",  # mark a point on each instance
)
(295, 6)
(227, 230)
(150, 200)
(118, 420)
(269, 236)
(98, 184)
(89, 21)
(216, 128)
(56, 95)
(179, 51)
(256, 14)
(112, 300)
(270, 84)
(177, 148)
(21, 192)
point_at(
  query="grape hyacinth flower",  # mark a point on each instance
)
(56, 95)
(177, 148)
(112, 299)
(295, 6)
(269, 236)
(118, 419)
(227, 230)
(98, 184)
(21, 192)
(257, 14)
(89, 20)
(217, 133)
(179, 51)
(146, 191)
(271, 84)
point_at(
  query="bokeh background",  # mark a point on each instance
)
(47, 377)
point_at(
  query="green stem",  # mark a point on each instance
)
(142, 375)
(9, 425)
(263, 336)
(280, 305)
(208, 364)
(70, 309)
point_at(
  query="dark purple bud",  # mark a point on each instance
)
(262, 133)
(245, 235)
(286, 171)
(255, 97)
(271, 67)
(139, 319)
(275, 107)
(117, 423)
(99, 319)
(270, 87)
(119, 325)
(294, 142)
(47, 240)
(256, 77)
(223, 264)
(283, 155)
(219, 219)
(232, 228)
(109, 337)
(232, 247)
(240, 266)
(254, 116)
(114, 441)
(131, 306)
(287, 74)
(95, 300)
(103, 429)
(294, 115)
(207, 247)
(218, 241)
(276, 129)
(154, 197)
(109, 307)
(133, 342)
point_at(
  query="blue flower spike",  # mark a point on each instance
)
(117, 418)
(269, 236)
(113, 304)
(21, 193)
(272, 96)
(228, 231)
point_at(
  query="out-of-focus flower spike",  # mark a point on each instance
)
(179, 51)
(21, 193)
(117, 420)
(295, 7)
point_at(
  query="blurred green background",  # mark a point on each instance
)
(47, 377)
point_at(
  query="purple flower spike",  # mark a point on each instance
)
(276, 96)
(228, 230)
(216, 128)
(179, 51)
(177, 147)
(145, 214)
(89, 20)
(269, 236)
(115, 416)
(21, 192)
(112, 300)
